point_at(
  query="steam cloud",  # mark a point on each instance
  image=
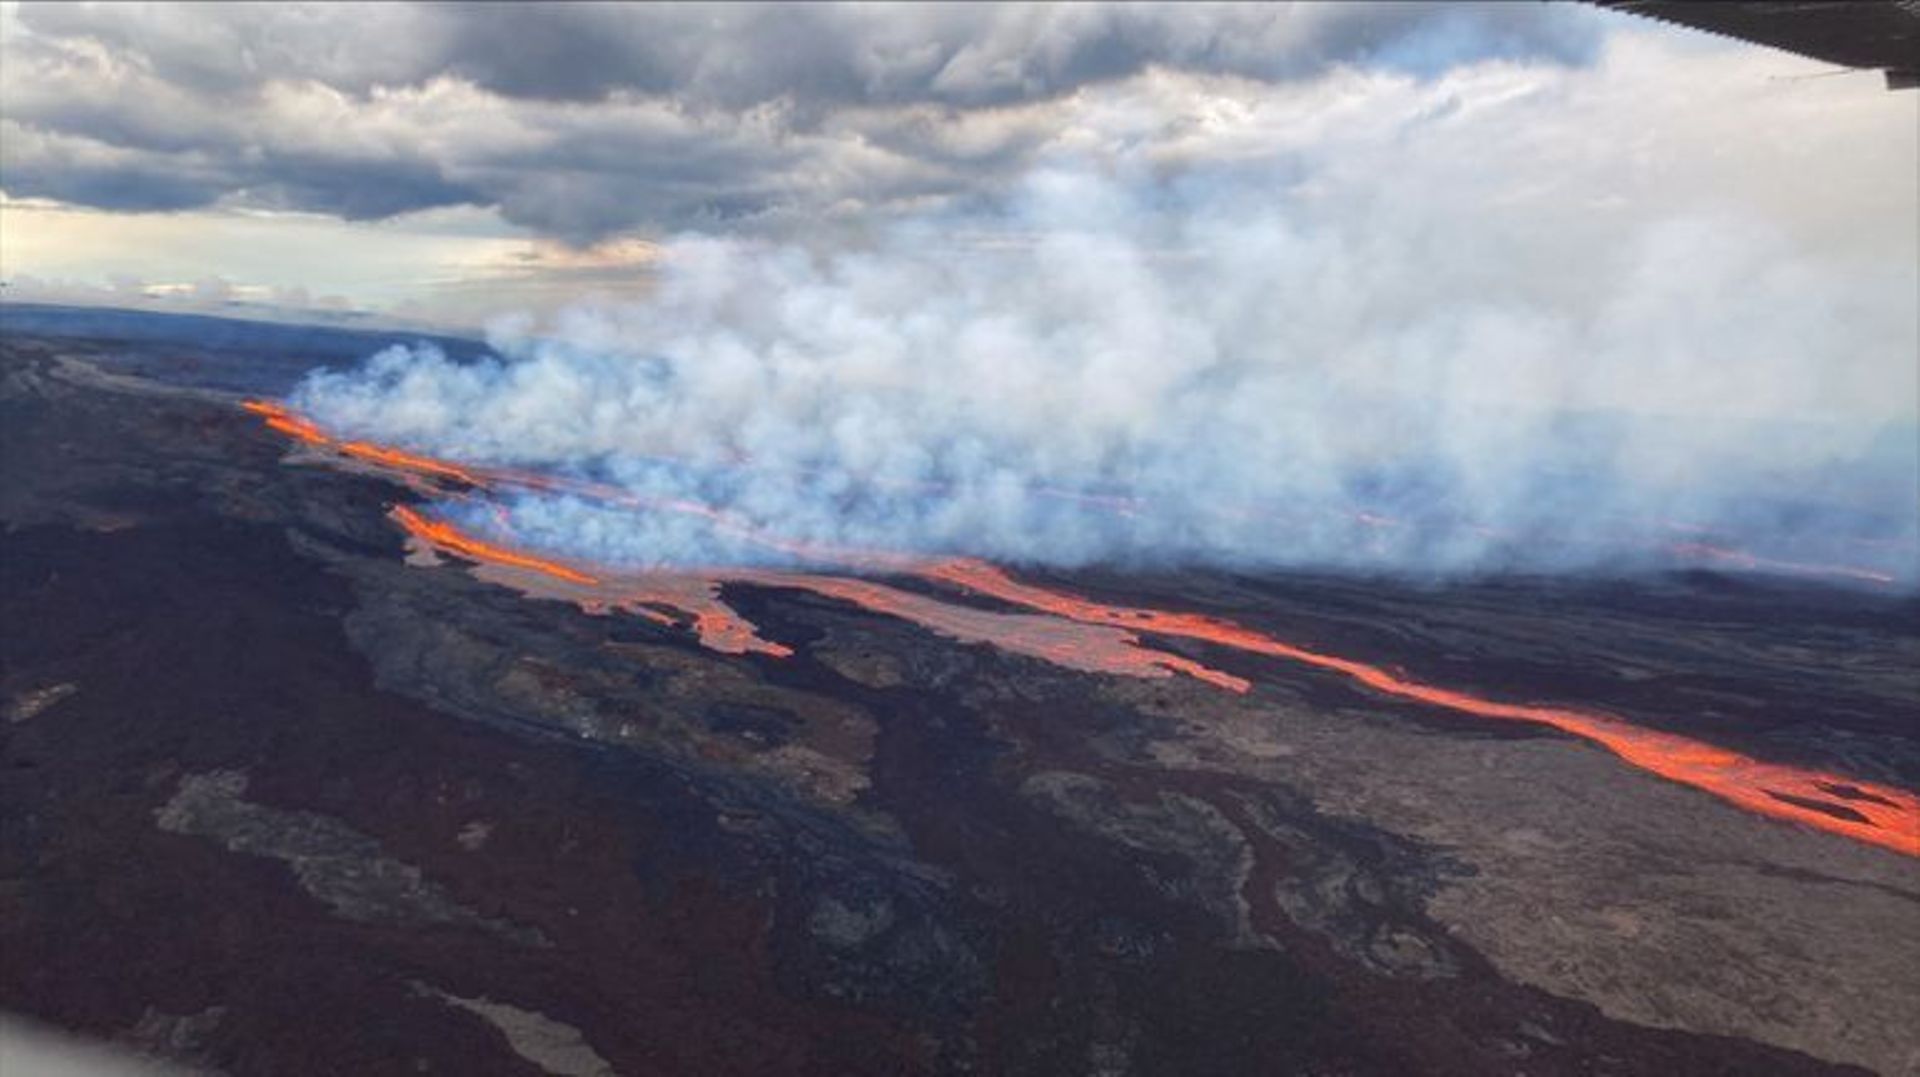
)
(1516, 317)
(1129, 373)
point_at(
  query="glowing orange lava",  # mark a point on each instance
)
(302, 429)
(1089, 648)
(1878, 814)
(645, 595)
(718, 626)
(446, 536)
(286, 422)
(1082, 634)
(407, 461)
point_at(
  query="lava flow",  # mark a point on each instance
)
(1082, 634)
(303, 429)
(1089, 648)
(446, 536)
(649, 595)
(1721, 555)
(1877, 814)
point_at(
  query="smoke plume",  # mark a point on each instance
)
(1428, 339)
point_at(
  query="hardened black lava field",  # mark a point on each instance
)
(280, 797)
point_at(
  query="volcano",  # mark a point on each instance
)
(311, 769)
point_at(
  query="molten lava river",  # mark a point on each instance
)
(1061, 628)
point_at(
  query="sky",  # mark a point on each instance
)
(1532, 276)
(447, 161)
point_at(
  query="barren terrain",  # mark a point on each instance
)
(278, 799)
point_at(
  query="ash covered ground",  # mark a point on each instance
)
(276, 800)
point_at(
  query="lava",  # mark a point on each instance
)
(286, 422)
(1880, 815)
(1082, 634)
(407, 461)
(1089, 648)
(303, 429)
(416, 466)
(645, 595)
(410, 466)
(1700, 551)
(446, 536)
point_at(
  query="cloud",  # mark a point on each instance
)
(583, 120)
(966, 55)
(1529, 280)
(1511, 316)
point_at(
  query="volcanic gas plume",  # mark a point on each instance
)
(1064, 629)
(1098, 372)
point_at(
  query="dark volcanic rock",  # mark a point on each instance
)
(337, 865)
(321, 811)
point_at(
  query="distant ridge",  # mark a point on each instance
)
(320, 342)
(235, 355)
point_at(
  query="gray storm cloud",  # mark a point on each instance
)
(582, 120)
(1120, 369)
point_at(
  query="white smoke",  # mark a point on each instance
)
(1367, 351)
